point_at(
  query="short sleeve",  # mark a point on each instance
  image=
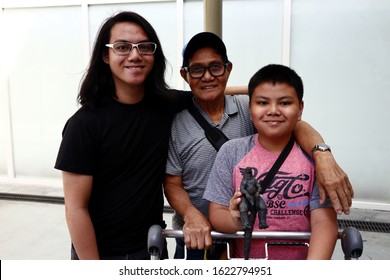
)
(220, 187)
(78, 150)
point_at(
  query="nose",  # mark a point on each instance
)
(134, 53)
(273, 109)
(207, 74)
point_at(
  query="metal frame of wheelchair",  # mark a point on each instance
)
(351, 240)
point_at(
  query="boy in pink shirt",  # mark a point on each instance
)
(292, 198)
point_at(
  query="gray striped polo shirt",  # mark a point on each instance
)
(192, 156)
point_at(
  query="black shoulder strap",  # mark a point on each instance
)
(213, 134)
(278, 163)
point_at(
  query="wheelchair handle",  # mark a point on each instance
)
(351, 243)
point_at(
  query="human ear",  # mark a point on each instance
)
(105, 58)
(229, 67)
(183, 74)
(301, 105)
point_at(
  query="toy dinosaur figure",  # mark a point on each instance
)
(251, 204)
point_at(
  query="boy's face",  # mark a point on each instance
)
(275, 110)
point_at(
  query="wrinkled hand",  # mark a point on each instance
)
(197, 231)
(334, 182)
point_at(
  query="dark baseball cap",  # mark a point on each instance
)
(204, 40)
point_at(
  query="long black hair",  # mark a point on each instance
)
(98, 85)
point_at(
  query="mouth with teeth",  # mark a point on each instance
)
(134, 67)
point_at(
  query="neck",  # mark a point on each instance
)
(130, 95)
(274, 145)
(214, 109)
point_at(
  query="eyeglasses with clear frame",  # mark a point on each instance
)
(124, 48)
(198, 71)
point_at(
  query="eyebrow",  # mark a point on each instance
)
(125, 41)
(283, 97)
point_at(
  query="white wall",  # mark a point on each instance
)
(339, 47)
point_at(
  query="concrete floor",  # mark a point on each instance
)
(38, 231)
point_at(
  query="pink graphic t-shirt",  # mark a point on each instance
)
(290, 197)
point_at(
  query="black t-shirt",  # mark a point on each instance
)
(124, 148)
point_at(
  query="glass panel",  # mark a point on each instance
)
(252, 32)
(3, 126)
(193, 19)
(341, 50)
(44, 62)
